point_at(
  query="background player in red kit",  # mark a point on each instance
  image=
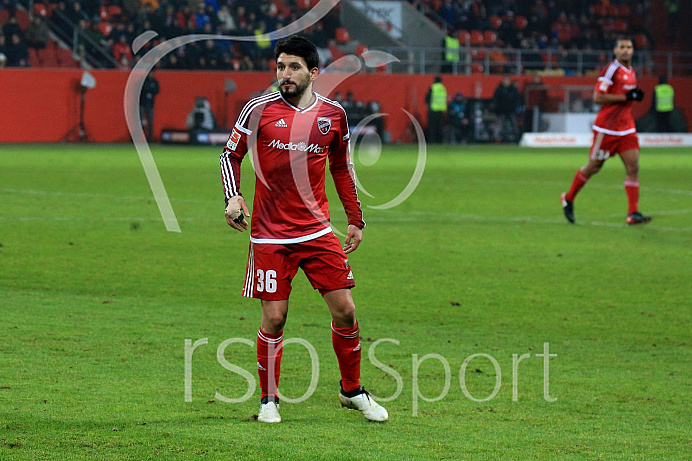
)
(292, 133)
(614, 131)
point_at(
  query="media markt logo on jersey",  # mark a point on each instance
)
(301, 146)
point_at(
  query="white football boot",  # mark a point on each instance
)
(269, 413)
(365, 404)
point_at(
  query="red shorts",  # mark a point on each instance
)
(271, 267)
(607, 145)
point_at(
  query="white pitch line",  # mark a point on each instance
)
(658, 213)
(76, 219)
(99, 196)
(380, 219)
(513, 219)
(591, 185)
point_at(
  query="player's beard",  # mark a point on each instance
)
(297, 90)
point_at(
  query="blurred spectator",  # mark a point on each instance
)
(3, 60)
(639, 19)
(263, 42)
(451, 53)
(76, 14)
(122, 50)
(150, 89)
(210, 56)
(226, 21)
(37, 34)
(152, 4)
(448, 11)
(498, 61)
(201, 18)
(61, 19)
(17, 52)
(168, 22)
(458, 117)
(672, 8)
(372, 108)
(663, 105)
(355, 110)
(319, 36)
(212, 5)
(124, 63)
(173, 62)
(10, 28)
(566, 60)
(9, 5)
(531, 57)
(201, 117)
(507, 101)
(436, 99)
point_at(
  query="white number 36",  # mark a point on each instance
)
(266, 281)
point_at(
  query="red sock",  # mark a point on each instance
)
(577, 184)
(346, 342)
(632, 189)
(269, 351)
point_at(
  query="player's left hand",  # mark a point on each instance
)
(354, 236)
(235, 213)
(635, 94)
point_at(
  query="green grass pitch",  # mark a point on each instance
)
(97, 301)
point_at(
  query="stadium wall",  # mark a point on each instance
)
(42, 105)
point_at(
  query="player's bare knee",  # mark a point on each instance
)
(349, 313)
(594, 167)
(275, 322)
(344, 315)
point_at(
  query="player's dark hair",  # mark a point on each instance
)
(621, 38)
(298, 46)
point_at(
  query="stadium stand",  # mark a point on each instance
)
(103, 26)
(587, 25)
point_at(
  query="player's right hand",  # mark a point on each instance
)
(635, 94)
(236, 210)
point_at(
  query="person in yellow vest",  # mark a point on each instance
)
(436, 99)
(263, 42)
(451, 54)
(664, 96)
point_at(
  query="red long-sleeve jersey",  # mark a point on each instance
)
(616, 118)
(290, 148)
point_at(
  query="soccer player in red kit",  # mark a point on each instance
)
(293, 132)
(614, 131)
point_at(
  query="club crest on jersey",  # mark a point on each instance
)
(324, 124)
(233, 140)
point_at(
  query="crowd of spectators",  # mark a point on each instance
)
(580, 22)
(111, 25)
(533, 27)
(16, 42)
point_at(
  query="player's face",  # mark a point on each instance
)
(624, 51)
(293, 75)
